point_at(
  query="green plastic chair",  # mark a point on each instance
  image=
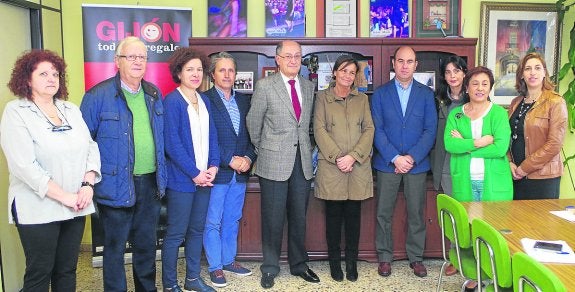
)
(454, 223)
(492, 256)
(531, 275)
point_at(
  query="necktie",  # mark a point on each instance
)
(295, 99)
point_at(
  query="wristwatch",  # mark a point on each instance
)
(87, 184)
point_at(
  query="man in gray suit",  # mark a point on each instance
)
(278, 124)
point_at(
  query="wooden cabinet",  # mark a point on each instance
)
(255, 54)
(249, 239)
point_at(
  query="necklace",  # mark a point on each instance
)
(523, 109)
(530, 98)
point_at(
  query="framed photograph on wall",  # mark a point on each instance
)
(436, 18)
(244, 81)
(340, 18)
(268, 71)
(389, 18)
(227, 18)
(508, 32)
(285, 18)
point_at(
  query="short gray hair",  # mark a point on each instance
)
(214, 59)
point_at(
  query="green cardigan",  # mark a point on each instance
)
(498, 184)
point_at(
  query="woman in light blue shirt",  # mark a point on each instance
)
(53, 164)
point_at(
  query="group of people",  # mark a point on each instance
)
(486, 153)
(127, 147)
(508, 154)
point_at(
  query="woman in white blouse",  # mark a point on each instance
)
(53, 164)
(192, 157)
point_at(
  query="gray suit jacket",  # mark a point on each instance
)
(275, 131)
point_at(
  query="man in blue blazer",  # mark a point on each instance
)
(405, 121)
(229, 110)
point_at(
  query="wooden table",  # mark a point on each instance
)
(531, 219)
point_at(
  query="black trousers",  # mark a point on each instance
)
(278, 200)
(51, 252)
(536, 189)
(348, 212)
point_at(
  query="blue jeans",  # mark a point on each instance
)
(222, 223)
(136, 224)
(186, 220)
(476, 190)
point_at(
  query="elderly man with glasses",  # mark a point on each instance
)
(125, 117)
(278, 124)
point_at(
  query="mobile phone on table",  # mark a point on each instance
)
(548, 246)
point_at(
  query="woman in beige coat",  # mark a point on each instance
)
(343, 130)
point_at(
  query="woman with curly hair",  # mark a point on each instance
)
(53, 164)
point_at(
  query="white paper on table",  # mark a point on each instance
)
(564, 214)
(566, 255)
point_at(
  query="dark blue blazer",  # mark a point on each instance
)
(180, 157)
(230, 144)
(395, 134)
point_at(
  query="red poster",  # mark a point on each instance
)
(162, 29)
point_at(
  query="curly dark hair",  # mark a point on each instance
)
(27, 63)
(182, 56)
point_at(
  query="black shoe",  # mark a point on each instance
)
(335, 270)
(309, 276)
(351, 270)
(267, 280)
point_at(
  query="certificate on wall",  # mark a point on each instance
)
(340, 18)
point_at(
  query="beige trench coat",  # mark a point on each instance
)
(341, 127)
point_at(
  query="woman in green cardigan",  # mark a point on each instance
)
(477, 136)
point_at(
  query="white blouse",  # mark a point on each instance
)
(200, 131)
(36, 154)
(477, 165)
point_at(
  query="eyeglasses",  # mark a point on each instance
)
(133, 58)
(62, 128)
(291, 57)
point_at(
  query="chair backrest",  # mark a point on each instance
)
(450, 212)
(492, 253)
(531, 275)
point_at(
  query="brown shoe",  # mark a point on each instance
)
(418, 269)
(450, 270)
(471, 285)
(384, 269)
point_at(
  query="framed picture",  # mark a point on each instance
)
(285, 18)
(244, 81)
(227, 18)
(436, 18)
(508, 32)
(340, 18)
(389, 18)
(268, 71)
